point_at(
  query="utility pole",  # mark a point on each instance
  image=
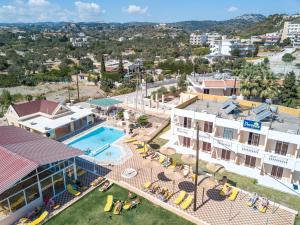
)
(197, 165)
(77, 85)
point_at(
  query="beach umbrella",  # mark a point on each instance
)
(167, 151)
(213, 167)
(188, 159)
(206, 181)
(173, 175)
(150, 164)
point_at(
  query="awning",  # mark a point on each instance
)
(104, 102)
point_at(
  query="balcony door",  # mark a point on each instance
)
(250, 161)
(277, 171)
(208, 127)
(186, 142)
(187, 122)
(206, 147)
(281, 148)
(253, 139)
(228, 133)
(225, 155)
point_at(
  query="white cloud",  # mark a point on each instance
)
(38, 3)
(88, 11)
(46, 10)
(232, 9)
(135, 9)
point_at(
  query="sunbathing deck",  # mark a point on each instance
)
(215, 209)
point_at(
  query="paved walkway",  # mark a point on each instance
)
(214, 209)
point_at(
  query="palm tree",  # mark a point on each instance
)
(258, 81)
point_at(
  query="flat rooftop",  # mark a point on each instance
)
(284, 122)
(44, 124)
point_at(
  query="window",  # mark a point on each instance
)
(186, 142)
(208, 127)
(228, 133)
(253, 139)
(17, 201)
(281, 148)
(32, 193)
(250, 161)
(206, 91)
(206, 147)
(187, 122)
(277, 171)
(225, 155)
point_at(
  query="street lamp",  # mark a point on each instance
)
(197, 165)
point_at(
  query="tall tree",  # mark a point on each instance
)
(288, 92)
(258, 81)
(103, 70)
(6, 99)
(121, 67)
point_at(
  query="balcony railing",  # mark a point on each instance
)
(281, 161)
(250, 150)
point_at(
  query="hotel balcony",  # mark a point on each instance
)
(251, 150)
(225, 144)
(191, 133)
(282, 161)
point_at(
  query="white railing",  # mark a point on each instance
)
(99, 150)
(250, 150)
(225, 144)
(281, 161)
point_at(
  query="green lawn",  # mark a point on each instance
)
(89, 211)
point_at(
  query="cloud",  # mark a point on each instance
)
(232, 9)
(46, 10)
(88, 11)
(135, 9)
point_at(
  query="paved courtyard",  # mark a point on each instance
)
(213, 209)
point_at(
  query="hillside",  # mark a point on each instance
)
(232, 26)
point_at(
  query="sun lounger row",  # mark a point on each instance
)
(184, 203)
(126, 205)
(230, 192)
(263, 203)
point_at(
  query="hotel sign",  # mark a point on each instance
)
(252, 124)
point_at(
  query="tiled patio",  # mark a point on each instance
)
(214, 209)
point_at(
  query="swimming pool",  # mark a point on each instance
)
(98, 144)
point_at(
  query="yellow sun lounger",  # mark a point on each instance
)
(128, 140)
(147, 185)
(162, 159)
(233, 194)
(138, 143)
(142, 150)
(72, 191)
(187, 202)
(109, 203)
(180, 197)
(224, 189)
(40, 219)
(262, 209)
(127, 205)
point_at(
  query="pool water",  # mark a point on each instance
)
(97, 144)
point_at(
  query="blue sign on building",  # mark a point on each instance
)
(252, 124)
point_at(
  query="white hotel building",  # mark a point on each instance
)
(272, 150)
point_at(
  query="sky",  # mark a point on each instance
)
(138, 10)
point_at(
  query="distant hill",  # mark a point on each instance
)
(232, 26)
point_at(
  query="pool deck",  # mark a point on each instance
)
(212, 209)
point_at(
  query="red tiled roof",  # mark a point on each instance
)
(44, 106)
(25, 151)
(13, 167)
(220, 83)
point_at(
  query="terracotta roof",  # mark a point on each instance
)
(25, 151)
(44, 106)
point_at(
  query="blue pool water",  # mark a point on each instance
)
(98, 144)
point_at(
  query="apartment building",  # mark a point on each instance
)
(226, 46)
(255, 140)
(207, 38)
(198, 39)
(292, 31)
(266, 39)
